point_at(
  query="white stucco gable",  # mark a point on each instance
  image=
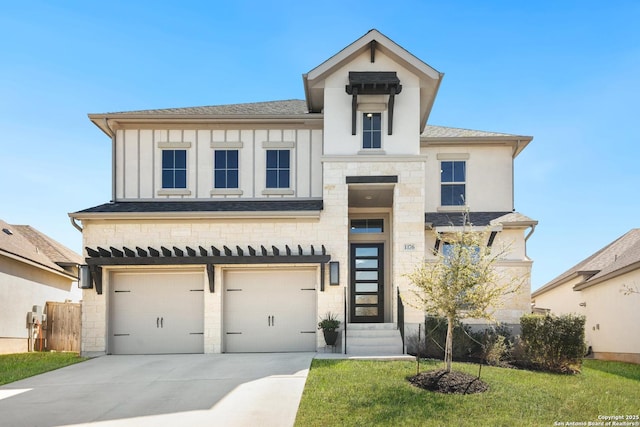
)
(370, 45)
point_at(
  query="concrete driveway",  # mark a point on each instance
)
(162, 390)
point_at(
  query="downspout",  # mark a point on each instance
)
(513, 176)
(533, 228)
(75, 224)
(113, 159)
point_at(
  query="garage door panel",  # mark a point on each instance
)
(270, 310)
(154, 312)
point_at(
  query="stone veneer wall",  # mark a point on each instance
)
(254, 232)
(407, 216)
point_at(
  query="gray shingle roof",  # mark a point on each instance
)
(449, 132)
(443, 219)
(25, 242)
(287, 107)
(208, 206)
(617, 255)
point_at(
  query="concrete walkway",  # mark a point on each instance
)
(162, 390)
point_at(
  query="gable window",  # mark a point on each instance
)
(278, 168)
(174, 168)
(372, 130)
(225, 173)
(452, 183)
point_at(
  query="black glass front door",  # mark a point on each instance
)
(367, 283)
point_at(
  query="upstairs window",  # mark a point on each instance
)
(278, 168)
(372, 130)
(225, 165)
(453, 183)
(174, 168)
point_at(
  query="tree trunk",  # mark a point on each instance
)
(448, 347)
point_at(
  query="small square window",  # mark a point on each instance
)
(372, 130)
(225, 173)
(278, 168)
(453, 183)
(174, 168)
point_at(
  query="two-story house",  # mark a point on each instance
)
(233, 228)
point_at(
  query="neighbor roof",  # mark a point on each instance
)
(610, 261)
(27, 244)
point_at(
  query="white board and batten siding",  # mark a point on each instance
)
(139, 164)
(270, 310)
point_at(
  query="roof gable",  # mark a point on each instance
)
(613, 259)
(373, 40)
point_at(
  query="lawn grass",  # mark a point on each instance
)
(14, 367)
(370, 393)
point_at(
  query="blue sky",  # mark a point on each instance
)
(567, 73)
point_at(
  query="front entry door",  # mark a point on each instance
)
(367, 283)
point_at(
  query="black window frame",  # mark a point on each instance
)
(371, 131)
(278, 168)
(225, 173)
(453, 185)
(174, 169)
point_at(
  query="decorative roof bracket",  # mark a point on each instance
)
(373, 83)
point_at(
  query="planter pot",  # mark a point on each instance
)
(330, 336)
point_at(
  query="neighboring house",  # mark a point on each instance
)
(34, 269)
(597, 288)
(233, 228)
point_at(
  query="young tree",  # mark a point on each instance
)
(462, 282)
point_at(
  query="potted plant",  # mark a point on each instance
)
(329, 323)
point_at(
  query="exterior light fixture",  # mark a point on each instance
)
(334, 273)
(84, 277)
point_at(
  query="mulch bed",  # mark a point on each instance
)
(449, 383)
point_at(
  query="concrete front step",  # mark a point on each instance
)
(370, 339)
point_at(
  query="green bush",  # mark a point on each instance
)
(552, 343)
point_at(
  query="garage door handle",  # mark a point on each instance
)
(157, 322)
(162, 322)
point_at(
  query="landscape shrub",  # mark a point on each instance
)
(552, 343)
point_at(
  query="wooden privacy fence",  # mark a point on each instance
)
(63, 326)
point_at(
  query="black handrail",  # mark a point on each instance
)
(401, 319)
(345, 320)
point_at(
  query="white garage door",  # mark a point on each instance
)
(270, 310)
(156, 312)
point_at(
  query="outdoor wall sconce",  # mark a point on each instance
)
(334, 273)
(84, 277)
